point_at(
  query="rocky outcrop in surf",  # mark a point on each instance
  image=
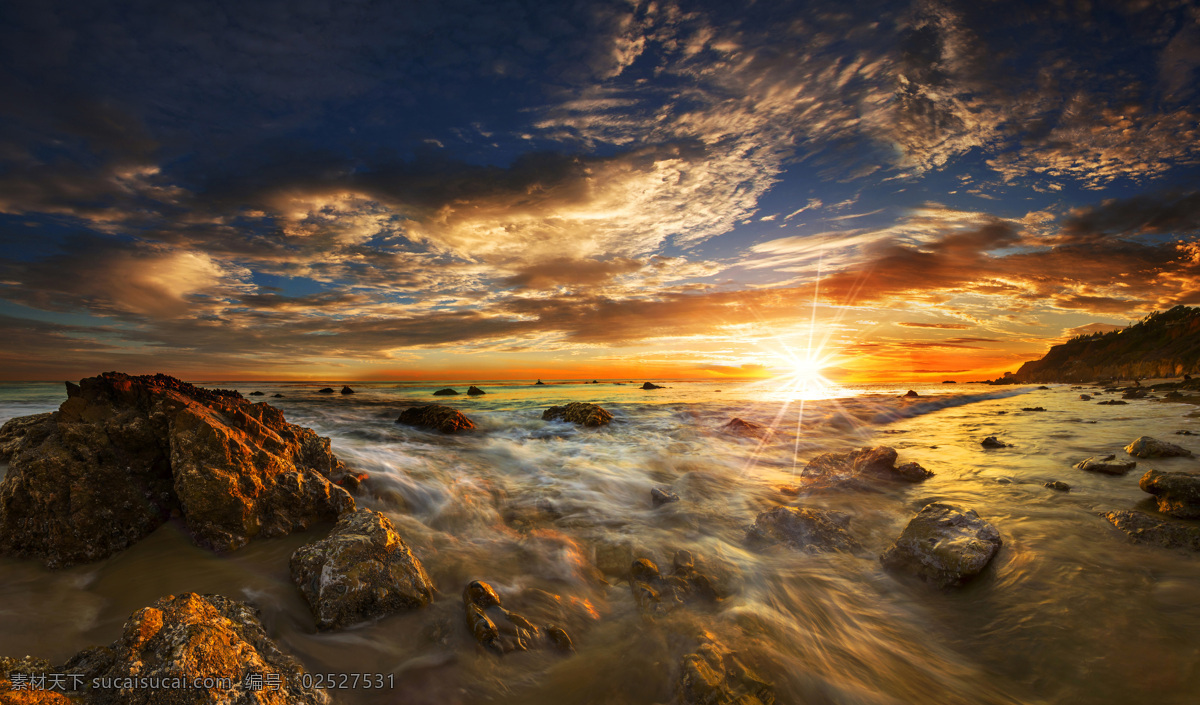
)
(501, 631)
(1177, 493)
(943, 545)
(861, 468)
(437, 417)
(805, 529)
(578, 412)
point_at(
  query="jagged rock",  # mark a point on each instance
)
(860, 467)
(447, 392)
(1085, 397)
(347, 390)
(125, 452)
(746, 428)
(943, 545)
(1058, 485)
(361, 571)
(660, 496)
(1033, 408)
(15, 430)
(578, 412)
(326, 390)
(713, 675)
(539, 382)
(648, 385)
(910, 393)
(1112, 402)
(502, 631)
(188, 637)
(659, 594)
(1147, 447)
(1178, 493)
(475, 391)
(1102, 465)
(17, 685)
(806, 529)
(1143, 528)
(435, 416)
(993, 442)
(257, 394)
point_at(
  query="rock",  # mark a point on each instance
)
(475, 391)
(713, 675)
(911, 393)
(1185, 432)
(1112, 402)
(1102, 465)
(860, 467)
(327, 390)
(116, 460)
(1085, 397)
(1147, 447)
(539, 382)
(190, 637)
(13, 432)
(1174, 394)
(447, 392)
(660, 496)
(648, 385)
(806, 529)
(502, 631)
(435, 416)
(943, 545)
(746, 428)
(257, 394)
(17, 686)
(1043, 387)
(578, 412)
(595, 382)
(1135, 394)
(1178, 493)
(1033, 408)
(993, 442)
(656, 593)
(1143, 528)
(363, 570)
(277, 396)
(347, 390)
(1057, 485)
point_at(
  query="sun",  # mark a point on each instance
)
(806, 373)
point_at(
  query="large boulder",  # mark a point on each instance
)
(123, 453)
(361, 571)
(475, 391)
(206, 639)
(447, 392)
(805, 529)
(1108, 465)
(1178, 493)
(861, 468)
(651, 385)
(436, 416)
(1143, 528)
(14, 431)
(943, 545)
(713, 675)
(578, 412)
(1147, 447)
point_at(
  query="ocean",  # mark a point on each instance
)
(1069, 612)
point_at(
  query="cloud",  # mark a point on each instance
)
(565, 271)
(943, 326)
(1173, 213)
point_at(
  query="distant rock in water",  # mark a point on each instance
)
(362, 570)
(1178, 493)
(648, 385)
(578, 412)
(805, 529)
(910, 393)
(347, 390)
(502, 631)
(538, 382)
(714, 675)
(1112, 402)
(1043, 387)
(436, 416)
(993, 442)
(746, 428)
(662, 495)
(326, 390)
(475, 391)
(943, 545)
(1105, 466)
(257, 394)
(447, 392)
(1147, 447)
(949, 381)
(1058, 485)
(860, 468)
(277, 396)
(1143, 528)
(1033, 408)
(1085, 397)
(122, 453)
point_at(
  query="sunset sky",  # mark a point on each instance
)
(368, 190)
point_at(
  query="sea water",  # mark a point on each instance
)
(1069, 612)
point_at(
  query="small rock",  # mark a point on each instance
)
(911, 393)
(746, 428)
(1178, 493)
(578, 412)
(347, 390)
(326, 390)
(713, 675)
(805, 529)
(1033, 408)
(860, 466)
(442, 418)
(1112, 402)
(648, 385)
(257, 394)
(539, 382)
(660, 496)
(993, 442)
(1085, 397)
(1058, 485)
(475, 391)
(447, 392)
(1185, 433)
(1135, 394)
(1043, 387)
(1102, 465)
(1143, 528)
(943, 545)
(277, 396)
(1174, 394)
(502, 631)
(659, 594)
(1147, 447)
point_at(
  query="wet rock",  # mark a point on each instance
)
(661, 495)
(1033, 408)
(911, 393)
(475, 391)
(13, 432)
(17, 686)
(1147, 447)
(805, 529)
(190, 637)
(125, 453)
(1085, 397)
(943, 545)
(658, 594)
(993, 442)
(1135, 394)
(447, 392)
(1174, 394)
(648, 385)
(277, 396)
(1112, 402)
(539, 382)
(1058, 485)
(326, 390)
(257, 394)
(1043, 387)
(1105, 466)
(1178, 493)
(1143, 528)
(613, 557)
(347, 390)
(746, 428)
(578, 412)
(713, 675)
(502, 631)
(361, 571)
(861, 467)
(435, 416)
(1185, 433)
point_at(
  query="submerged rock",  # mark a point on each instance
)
(1085, 397)
(943, 545)
(1143, 528)
(182, 639)
(1147, 447)
(656, 593)
(649, 385)
(993, 442)
(1178, 493)
(1058, 485)
(661, 495)
(1102, 465)
(806, 529)
(502, 631)
(326, 390)
(746, 428)
(436, 416)
(123, 453)
(447, 392)
(1112, 402)
(1033, 408)
(861, 467)
(347, 390)
(578, 412)
(475, 391)
(910, 393)
(361, 571)
(713, 675)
